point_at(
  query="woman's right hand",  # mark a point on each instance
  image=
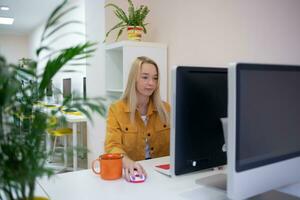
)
(130, 166)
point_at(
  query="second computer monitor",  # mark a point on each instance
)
(264, 129)
(67, 88)
(199, 101)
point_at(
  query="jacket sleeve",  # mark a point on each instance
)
(113, 138)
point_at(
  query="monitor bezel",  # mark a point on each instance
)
(258, 67)
(248, 183)
(173, 103)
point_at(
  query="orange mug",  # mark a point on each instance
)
(110, 166)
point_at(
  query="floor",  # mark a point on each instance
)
(56, 162)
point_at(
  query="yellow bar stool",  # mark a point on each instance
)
(59, 133)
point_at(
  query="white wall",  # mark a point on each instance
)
(95, 73)
(77, 77)
(212, 32)
(215, 33)
(14, 47)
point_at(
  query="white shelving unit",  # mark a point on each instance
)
(119, 57)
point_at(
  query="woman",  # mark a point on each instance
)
(138, 124)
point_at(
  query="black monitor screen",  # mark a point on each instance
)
(67, 87)
(268, 114)
(84, 87)
(201, 102)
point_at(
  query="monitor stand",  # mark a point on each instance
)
(218, 181)
(274, 195)
(215, 181)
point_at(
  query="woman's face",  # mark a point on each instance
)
(147, 80)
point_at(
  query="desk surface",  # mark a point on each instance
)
(72, 118)
(86, 185)
(75, 118)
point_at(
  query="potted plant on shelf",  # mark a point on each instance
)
(23, 122)
(133, 21)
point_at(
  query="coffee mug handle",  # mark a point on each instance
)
(93, 166)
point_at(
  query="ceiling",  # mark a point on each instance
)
(28, 14)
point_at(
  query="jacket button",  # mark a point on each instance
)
(165, 126)
(126, 129)
(149, 134)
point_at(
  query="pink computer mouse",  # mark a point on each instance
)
(137, 178)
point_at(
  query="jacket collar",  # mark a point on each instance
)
(151, 107)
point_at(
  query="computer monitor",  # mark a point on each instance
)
(199, 101)
(264, 128)
(84, 87)
(67, 87)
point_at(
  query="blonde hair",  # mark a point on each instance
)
(130, 94)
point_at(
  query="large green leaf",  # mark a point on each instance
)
(49, 22)
(122, 16)
(115, 27)
(55, 19)
(56, 29)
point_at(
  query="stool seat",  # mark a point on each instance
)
(60, 131)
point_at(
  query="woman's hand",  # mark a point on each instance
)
(130, 166)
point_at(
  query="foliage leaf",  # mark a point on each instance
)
(62, 26)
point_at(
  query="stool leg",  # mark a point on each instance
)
(54, 146)
(74, 146)
(65, 152)
(80, 133)
(48, 142)
(48, 146)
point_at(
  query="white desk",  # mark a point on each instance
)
(85, 184)
(74, 120)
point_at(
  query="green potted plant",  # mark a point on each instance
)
(133, 21)
(23, 122)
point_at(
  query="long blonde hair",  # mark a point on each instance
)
(130, 94)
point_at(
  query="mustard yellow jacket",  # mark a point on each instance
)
(122, 136)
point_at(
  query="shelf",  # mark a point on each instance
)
(118, 60)
(115, 90)
(121, 44)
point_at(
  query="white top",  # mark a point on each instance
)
(145, 119)
(147, 148)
